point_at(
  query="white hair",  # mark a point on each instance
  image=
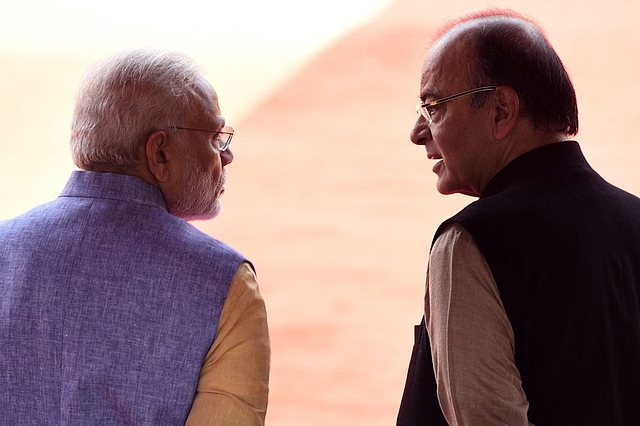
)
(125, 97)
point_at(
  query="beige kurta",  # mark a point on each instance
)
(472, 341)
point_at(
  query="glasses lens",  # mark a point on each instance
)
(224, 136)
(224, 142)
(423, 111)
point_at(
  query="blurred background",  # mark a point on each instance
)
(326, 195)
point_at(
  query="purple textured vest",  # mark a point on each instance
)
(108, 305)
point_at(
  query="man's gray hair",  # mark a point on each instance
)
(125, 97)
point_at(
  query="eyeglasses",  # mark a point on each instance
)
(423, 108)
(224, 135)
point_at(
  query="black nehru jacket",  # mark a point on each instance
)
(564, 248)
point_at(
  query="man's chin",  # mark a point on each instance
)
(207, 214)
(443, 187)
(458, 189)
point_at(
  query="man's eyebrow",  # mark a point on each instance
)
(220, 121)
(428, 94)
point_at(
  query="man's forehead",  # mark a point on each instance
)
(434, 72)
(207, 112)
(210, 100)
(447, 62)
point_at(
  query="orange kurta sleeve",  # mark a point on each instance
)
(234, 379)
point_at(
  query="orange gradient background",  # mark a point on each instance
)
(326, 195)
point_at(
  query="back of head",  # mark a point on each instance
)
(511, 50)
(125, 97)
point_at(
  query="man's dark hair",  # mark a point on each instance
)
(511, 50)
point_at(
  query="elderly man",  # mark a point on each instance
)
(113, 309)
(532, 306)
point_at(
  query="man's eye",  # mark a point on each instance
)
(432, 110)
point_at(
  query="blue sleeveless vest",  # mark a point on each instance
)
(108, 305)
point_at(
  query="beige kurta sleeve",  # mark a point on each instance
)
(472, 340)
(234, 379)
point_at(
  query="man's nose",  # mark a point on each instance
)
(421, 133)
(226, 156)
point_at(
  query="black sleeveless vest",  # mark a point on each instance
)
(564, 248)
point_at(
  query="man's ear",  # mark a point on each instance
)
(158, 158)
(506, 110)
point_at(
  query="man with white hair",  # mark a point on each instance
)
(113, 308)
